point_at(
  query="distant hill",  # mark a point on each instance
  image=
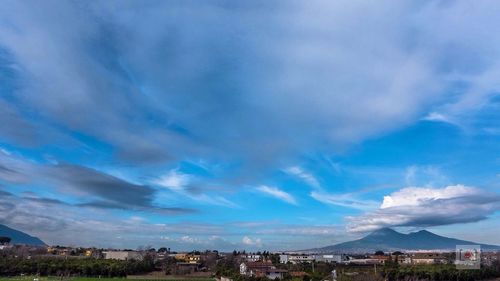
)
(387, 239)
(19, 237)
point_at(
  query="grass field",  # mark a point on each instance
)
(31, 278)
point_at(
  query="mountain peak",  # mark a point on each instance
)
(384, 231)
(423, 233)
(390, 240)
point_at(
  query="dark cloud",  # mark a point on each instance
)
(107, 187)
(108, 191)
(4, 169)
(4, 193)
(147, 209)
(99, 189)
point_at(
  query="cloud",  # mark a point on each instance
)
(174, 180)
(414, 196)
(91, 188)
(343, 200)
(249, 86)
(424, 207)
(187, 185)
(438, 117)
(175, 98)
(251, 242)
(300, 230)
(425, 176)
(277, 193)
(303, 175)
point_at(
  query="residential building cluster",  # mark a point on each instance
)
(300, 258)
(261, 269)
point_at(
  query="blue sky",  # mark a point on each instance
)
(248, 125)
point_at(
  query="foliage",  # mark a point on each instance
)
(4, 239)
(437, 272)
(45, 266)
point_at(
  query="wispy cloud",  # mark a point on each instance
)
(183, 184)
(277, 193)
(303, 175)
(343, 200)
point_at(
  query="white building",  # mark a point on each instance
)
(122, 255)
(329, 258)
(252, 258)
(296, 258)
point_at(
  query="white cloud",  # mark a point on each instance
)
(277, 193)
(252, 242)
(303, 175)
(424, 207)
(415, 196)
(438, 117)
(344, 200)
(189, 239)
(173, 180)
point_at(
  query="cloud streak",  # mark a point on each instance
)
(277, 193)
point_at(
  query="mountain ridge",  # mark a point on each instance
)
(390, 240)
(19, 237)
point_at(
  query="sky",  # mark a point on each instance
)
(258, 125)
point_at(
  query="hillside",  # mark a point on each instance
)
(19, 237)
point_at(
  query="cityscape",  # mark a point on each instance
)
(251, 140)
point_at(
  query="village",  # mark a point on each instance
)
(239, 265)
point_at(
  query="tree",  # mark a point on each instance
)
(4, 239)
(379, 253)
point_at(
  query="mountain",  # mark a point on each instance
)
(387, 239)
(19, 237)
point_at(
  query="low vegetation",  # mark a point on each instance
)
(90, 267)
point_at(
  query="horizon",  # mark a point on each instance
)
(318, 250)
(248, 125)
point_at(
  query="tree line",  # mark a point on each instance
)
(392, 271)
(90, 267)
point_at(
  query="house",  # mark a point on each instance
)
(261, 269)
(122, 255)
(251, 258)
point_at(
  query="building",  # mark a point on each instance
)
(188, 258)
(122, 255)
(489, 258)
(261, 269)
(297, 258)
(251, 258)
(329, 258)
(426, 258)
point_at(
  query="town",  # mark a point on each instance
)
(162, 263)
